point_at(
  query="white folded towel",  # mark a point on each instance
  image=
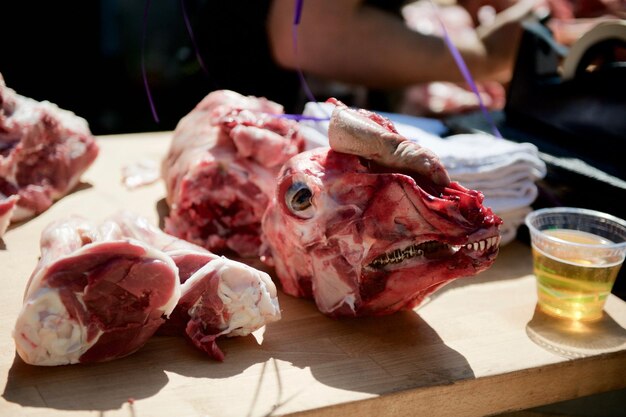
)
(511, 221)
(504, 171)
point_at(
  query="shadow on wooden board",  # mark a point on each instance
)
(373, 355)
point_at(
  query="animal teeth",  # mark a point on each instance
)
(411, 251)
(398, 255)
(483, 244)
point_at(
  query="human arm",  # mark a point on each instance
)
(355, 43)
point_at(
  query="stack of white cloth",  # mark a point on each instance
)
(505, 172)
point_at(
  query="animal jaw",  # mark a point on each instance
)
(432, 249)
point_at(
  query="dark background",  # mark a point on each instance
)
(85, 56)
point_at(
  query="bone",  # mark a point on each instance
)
(354, 133)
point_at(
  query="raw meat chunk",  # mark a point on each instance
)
(94, 295)
(44, 150)
(220, 297)
(221, 168)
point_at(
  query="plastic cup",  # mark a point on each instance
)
(577, 254)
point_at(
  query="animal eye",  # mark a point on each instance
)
(299, 200)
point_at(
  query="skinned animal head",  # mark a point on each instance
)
(361, 238)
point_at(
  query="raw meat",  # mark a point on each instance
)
(221, 168)
(94, 295)
(44, 150)
(7, 207)
(220, 297)
(377, 231)
(100, 291)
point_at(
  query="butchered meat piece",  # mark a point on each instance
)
(7, 207)
(94, 295)
(221, 168)
(44, 150)
(219, 296)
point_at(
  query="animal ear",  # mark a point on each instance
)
(374, 137)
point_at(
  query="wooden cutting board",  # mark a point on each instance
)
(467, 352)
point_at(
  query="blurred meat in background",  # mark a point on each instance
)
(568, 20)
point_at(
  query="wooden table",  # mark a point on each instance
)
(465, 353)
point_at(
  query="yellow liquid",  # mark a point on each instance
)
(570, 283)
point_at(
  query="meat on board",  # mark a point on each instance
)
(44, 150)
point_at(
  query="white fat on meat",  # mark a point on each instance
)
(45, 334)
(249, 296)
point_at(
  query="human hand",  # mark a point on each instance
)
(501, 38)
(474, 7)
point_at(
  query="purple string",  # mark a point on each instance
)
(300, 117)
(298, 13)
(294, 32)
(305, 86)
(144, 30)
(466, 73)
(296, 22)
(193, 39)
